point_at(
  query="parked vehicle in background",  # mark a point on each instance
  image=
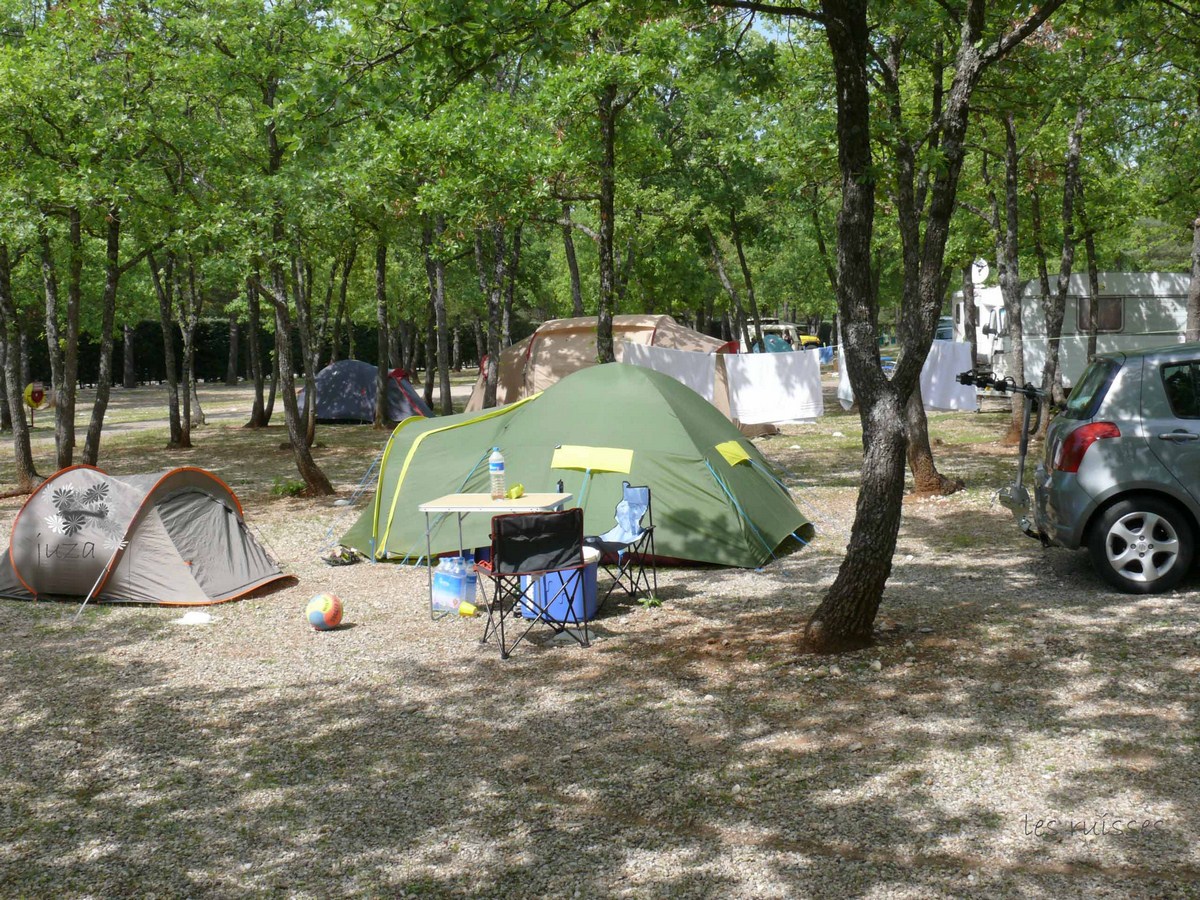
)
(1121, 471)
(1135, 311)
(774, 344)
(945, 329)
(795, 335)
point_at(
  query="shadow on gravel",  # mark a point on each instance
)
(706, 758)
(703, 757)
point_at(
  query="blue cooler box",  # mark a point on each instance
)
(548, 587)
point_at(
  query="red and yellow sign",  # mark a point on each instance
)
(35, 395)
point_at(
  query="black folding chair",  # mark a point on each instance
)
(627, 548)
(536, 564)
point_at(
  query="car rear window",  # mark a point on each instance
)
(1089, 391)
(1182, 384)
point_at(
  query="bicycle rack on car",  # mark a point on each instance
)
(1015, 497)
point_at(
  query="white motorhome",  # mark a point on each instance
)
(1136, 310)
(987, 322)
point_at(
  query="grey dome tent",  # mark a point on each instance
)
(176, 538)
(346, 393)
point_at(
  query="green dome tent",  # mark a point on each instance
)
(715, 499)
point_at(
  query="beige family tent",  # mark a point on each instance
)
(562, 346)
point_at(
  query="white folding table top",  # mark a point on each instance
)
(470, 503)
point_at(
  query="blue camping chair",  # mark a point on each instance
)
(626, 548)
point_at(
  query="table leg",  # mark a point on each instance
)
(429, 564)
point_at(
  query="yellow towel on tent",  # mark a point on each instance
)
(594, 459)
(733, 452)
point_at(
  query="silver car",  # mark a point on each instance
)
(1121, 473)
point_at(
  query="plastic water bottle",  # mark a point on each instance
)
(496, 473)
(628, 519)
(447, 586)
(470, 578)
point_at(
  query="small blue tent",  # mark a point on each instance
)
(346, 393)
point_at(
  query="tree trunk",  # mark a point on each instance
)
(315, 481)
(572, 262)
(186, 387)
(191, 301)
(736, 233)
(316, 484)
(6, 422)
(395, 346)
(492, 285)
(128, 369)
(1056, 305)
(1053, 311)
(1089, 249)
(112, 275)
(381, 323)
(402, 349)
(25, 474)
(847, 612)
(1193, 298)
(431, 343)
(64, 411)
(198, 417)
(340, 318)
(970, 314)
(270, 409)
(26, 377)
(739, 315)
(435, 270)
(607, 111)
(328, 309)
(510, 288)
(1009, 271)
(231, 366)
(259, 416)
(926, 478)
(164, 287)
(50, 282)
(302, 297)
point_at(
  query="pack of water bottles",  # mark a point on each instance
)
(454, 581)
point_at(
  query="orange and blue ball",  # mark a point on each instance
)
(324, 612)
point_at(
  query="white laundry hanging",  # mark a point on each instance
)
(939, 390)
(690, 368)
(775, 387)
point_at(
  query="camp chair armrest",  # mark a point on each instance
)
(538, 573)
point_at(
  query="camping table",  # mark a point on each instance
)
(464, 504)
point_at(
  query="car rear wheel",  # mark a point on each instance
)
(1142, 545)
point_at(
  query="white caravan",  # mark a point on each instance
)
(989, 309)
(1136, 310)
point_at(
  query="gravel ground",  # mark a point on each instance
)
(692, 751)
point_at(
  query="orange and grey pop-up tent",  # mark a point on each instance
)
(175, 538)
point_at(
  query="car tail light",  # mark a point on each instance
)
(1070, 451)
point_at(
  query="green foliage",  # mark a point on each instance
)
(208, 124)
(287, 487)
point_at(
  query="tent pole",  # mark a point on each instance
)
(121, 546)
(587, 480)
